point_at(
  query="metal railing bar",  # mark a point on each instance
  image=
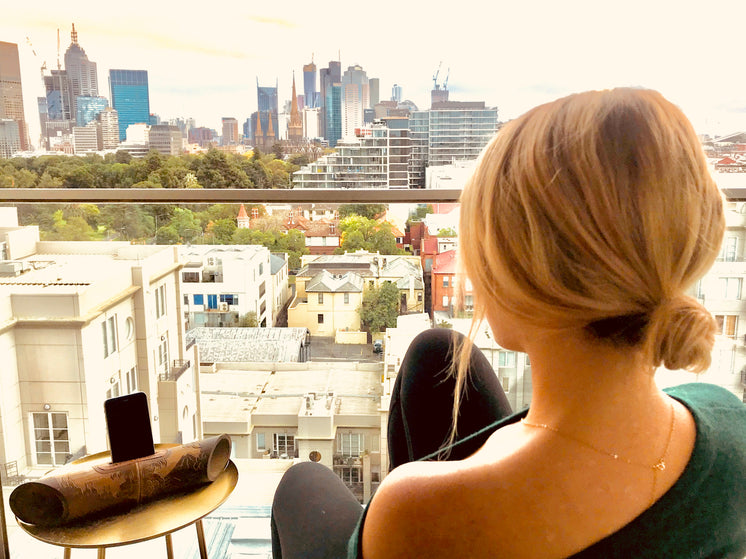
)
(214, 195)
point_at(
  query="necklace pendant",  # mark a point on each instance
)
(660, 466)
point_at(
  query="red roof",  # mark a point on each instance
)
(445, 263)
(242, 212)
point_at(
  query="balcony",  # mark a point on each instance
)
(177, 369)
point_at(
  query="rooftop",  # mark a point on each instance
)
(235, 345)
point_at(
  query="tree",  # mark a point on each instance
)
(371, 211)
(379, 308)
(248, 320)
(360, 232)
(447, 232)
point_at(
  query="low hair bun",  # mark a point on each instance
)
(680, 334)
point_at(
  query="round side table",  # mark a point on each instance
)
(144, 522)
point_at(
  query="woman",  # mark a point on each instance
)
(585, 223)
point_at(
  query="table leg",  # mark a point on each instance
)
(169, 547)
(67, 553)
(101, 553)
(201, 539)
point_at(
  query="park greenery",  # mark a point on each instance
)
(380, 307)
(183, 224)
(213, 169)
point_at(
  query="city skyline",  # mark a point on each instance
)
(513, 57)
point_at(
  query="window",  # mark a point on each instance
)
(261, 268)
(129, 328)
(446, 281)
(113, 390)
(109, 331)
(199, 299)
(130, 380)
(260, 442)
(445, 300)
(350, 475)
(284, 444)
(505, 381)
(190, 277)
(160, 301)
(51, 438)
(186, 299)
(262, 290)
(730, 288)
(163, 355)
(506, 359)
(727, 324)
(469, 302)
(347, 298)
(321, 298)
(350, 445)
(728, 251)
(320, 318)
(229, 298)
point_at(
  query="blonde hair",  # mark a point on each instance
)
(596, 210)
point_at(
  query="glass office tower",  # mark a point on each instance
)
(333, 113)
(129, 96)
(88, 108)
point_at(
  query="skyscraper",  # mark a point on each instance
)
(333, 113)
(310, 95)
(355, 98)
(374, 84)
(109, 127)
(88, 108)
(82, 74)
(396, 93)
(328, 77)
(264, 123)
(130, 97)
(11, 94)
(230, 131)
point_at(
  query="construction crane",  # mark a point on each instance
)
(33, 51)
(445, 83)
(435, 77)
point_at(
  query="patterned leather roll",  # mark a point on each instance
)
(80, 490)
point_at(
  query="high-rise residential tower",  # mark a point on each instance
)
(310, 95)
(82, 74)
(11, 94)
(130, 97)
(396, 93)
(355, 98)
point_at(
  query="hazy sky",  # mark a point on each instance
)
(203, 59)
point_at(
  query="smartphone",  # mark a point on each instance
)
(128, 424)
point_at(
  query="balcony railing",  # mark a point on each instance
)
(176, 370)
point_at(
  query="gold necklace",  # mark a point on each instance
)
(659, 466)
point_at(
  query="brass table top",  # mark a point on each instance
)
(144, 522)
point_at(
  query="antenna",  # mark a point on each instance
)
(59, 66)
(74, 36)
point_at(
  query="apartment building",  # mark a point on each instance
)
(377, 157)
(222, 283)
(329, 289)
(328, 412)
(81, 322)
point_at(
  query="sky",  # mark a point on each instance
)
(204, 59)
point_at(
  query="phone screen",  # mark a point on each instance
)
(128, 423)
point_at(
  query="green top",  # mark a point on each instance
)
(703, 515)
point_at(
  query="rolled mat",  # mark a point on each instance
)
(80, 490)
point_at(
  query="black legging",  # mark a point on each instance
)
(314, 513)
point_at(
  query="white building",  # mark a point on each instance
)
(378, 157)
(222, 283)
(355, 98)
(109, 120)
(86, 138)
(278, 262)
(81, 322)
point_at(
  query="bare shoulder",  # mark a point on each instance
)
(424, 509)
(404, 515)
